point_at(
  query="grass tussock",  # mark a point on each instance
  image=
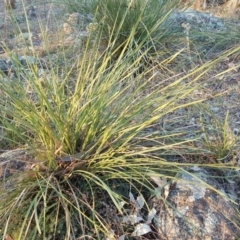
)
(95, 128)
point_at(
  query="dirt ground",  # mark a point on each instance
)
(40, 18)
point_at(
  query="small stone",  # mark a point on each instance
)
(31, 12)
(67, 28)
(3, 65)
(91, 27)
(71, 22)
(236, 131)
(73, 18)
(6, 66)
(25, 60)
(215, 109)
(25, 36)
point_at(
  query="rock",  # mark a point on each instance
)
(197, 20)
(3, 66)
(193, 24)
(26, 60)
(194, 211)
(31, 12)
(67, 28)
(72, 21)
(1, 23)
(215, 109)
(24, 36)
(76, 20)
(6, 66)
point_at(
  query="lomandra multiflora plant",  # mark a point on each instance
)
(91, 128)
(118, 18)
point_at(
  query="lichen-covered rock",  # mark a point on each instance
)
(197, 20)
(75, 21)
(193, 210)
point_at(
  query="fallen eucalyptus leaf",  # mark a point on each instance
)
(122, 237)
(139, 202)
(141, 229)
(132, 219)
(151, 215)
(132, 199)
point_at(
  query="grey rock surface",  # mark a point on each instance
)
(194, 211)
(197, 20)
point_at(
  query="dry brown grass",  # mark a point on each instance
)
(222, 8)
